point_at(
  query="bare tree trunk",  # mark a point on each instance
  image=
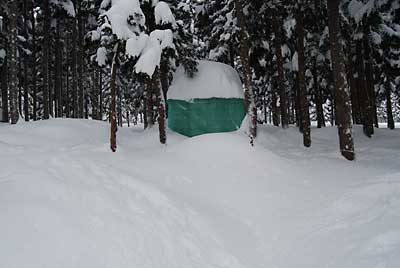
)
(244, 58)
(274, 108)
(26, 62)
(58, 72)
(318, 98)
(164, 83)
(277, 28)
(113, 119)
(161, 106)
(149, 103)
(81, 61)
(95, 92)
(75, 105)
(46, 59)
(304, 107)
(33, 67)
(367, 92)
(100, 116)
(4, 92)
(389, 111)
(342, 98)
(13, 63)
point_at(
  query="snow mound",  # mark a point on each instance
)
(213, 80)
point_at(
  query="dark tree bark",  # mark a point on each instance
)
(274, 109)
(74, 62)
(244, 58)
(58, 72)
(161, 106)
(100, 116)
(342, 98)
(164, 82)
(33, 66)
(26, 62)
(81, 61)
(389, 111)
(318, 98)
(113, 119)
(303, 102)
(14, 115)
(149, 120)
(277, 28)
(4, 92)
(95, 92)
(368, 91)
(46, 59)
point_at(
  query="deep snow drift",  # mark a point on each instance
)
(208, 201)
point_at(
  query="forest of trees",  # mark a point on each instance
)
(333, 62)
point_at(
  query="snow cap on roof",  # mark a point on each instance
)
(213, 80)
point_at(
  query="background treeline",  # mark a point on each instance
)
(330, 62)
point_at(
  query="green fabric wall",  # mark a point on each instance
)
(201, 116)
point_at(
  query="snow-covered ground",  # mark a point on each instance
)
(209, 201)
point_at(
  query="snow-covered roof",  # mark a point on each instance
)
(213, 80)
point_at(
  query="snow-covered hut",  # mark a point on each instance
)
(210, 102)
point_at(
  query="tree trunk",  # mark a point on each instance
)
(81, 61)
(275, 112)
(100, 116)
(277, 28)
(26, 62)
(33, 67)
(95, 93)
(46, 59)
(58, 72)
(4, 92)
(14, 115)
(342, 98)
(247, 74)
(75, 105)
(161, 106)
(149, 103)
(113, 119)
(305, 114)
(164, 83)
(318, 98)
(368, 91)
(389, 111)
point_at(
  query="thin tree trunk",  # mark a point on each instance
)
(13, 64)
(81, 61)
(33, 67)
(149, 103)
(95, 93)
(304, 107)
(4, 92)
(75, 105)
(113, 119)
(164, 82)
(46, 59)
(275, 112)
(368, 91)
(100, 116)
(389, 111)
(244, 58)
(277, 28)
(58, 72)
(26, 62)
(161, 106)
(342, 98)
(318, 98)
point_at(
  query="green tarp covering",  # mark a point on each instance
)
(201, 116)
